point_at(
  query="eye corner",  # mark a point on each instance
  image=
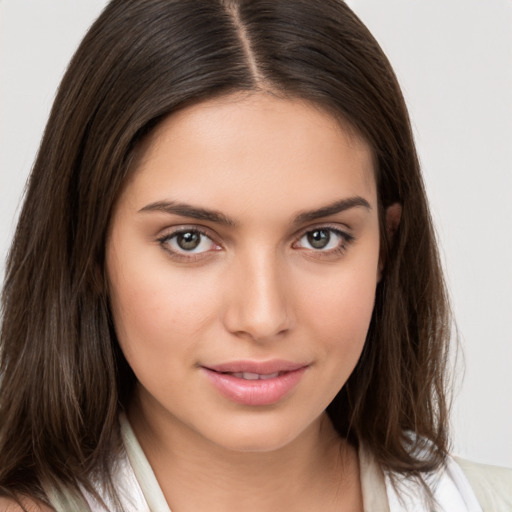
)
(330, 241)
(188, 243)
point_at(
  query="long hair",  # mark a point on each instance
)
(63, 377)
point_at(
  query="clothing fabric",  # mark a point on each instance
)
(460, 486)
(491, 484)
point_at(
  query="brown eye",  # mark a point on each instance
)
(324, 240)
(319, 238)
(189, 240)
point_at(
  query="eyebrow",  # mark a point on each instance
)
(332, 209)
(186, 210)
(194, 212)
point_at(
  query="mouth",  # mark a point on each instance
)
(254, 376)
(255, 383)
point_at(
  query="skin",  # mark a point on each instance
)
(254, 289)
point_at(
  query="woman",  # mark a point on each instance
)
(222, 305)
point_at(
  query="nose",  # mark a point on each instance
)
(258, 305)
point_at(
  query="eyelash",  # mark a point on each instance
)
(188, 256)
(345, 239)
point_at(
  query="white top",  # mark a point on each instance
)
(139, 491)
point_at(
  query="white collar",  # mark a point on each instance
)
(139, 491)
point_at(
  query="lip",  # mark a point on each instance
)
(255, 392)
(261, 367)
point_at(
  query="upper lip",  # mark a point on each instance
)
(259, 367)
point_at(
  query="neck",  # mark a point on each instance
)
(317, 468)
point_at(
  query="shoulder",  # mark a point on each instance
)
(491, 484)
(10, 505)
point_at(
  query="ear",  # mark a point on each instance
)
(392, 218)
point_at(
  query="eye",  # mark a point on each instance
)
(188, 242)
(324, 240)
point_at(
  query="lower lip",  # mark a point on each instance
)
(255, 392)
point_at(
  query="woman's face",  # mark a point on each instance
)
(242, 261)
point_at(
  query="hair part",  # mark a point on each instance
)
(64, 378)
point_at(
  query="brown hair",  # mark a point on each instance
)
(64, 378)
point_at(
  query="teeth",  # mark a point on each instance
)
(250, 376)
(269, 376)
(254, 376)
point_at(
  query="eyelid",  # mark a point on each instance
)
(169, 233)
(344, 234)
(343, 231)
(184, 228)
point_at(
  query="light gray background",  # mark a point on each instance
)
(454, 61)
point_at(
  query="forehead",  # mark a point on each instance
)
(253, 147)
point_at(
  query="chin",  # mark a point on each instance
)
(257, 436)
(257, 444)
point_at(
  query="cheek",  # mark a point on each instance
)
(157, 312)
(345, 301)
(339, 314)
